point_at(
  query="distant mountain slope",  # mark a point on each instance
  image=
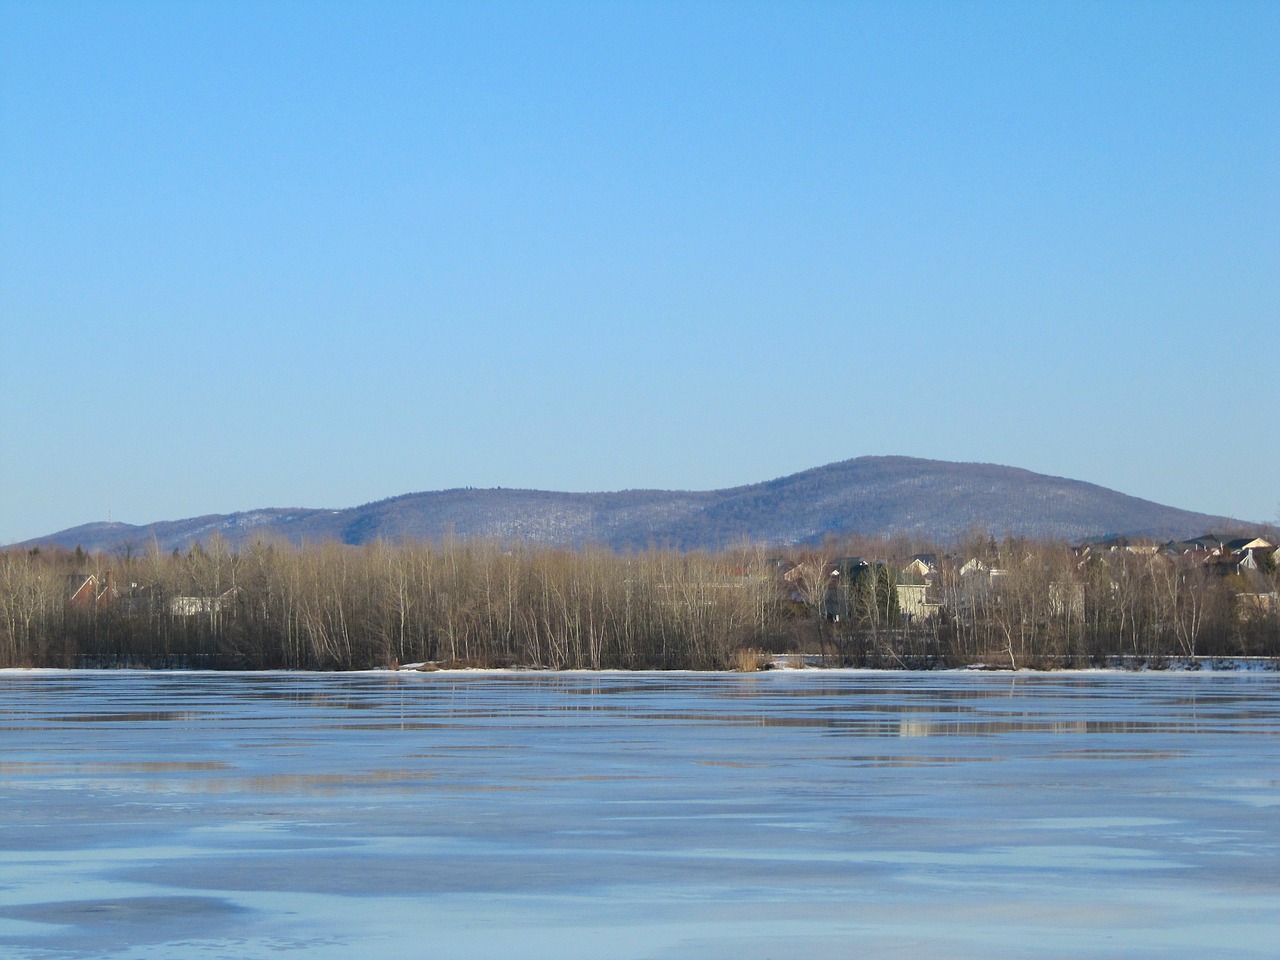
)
(868, 495)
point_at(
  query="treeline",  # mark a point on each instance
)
(338, 607)
(1044, 604)
(484, 604)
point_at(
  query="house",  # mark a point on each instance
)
(1260, 558)
(843, 576)
(922, 566)
(87, 592)
(913, 603)
(1252, 553)
(1136, 545)
(852, 577)
(805, 581)
(1242, 554)
(192, 606)
(973, 567)
(1209, 543)
(1242, 544)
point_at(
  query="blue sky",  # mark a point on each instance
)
(316, 254)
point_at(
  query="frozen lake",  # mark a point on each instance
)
(796, 815)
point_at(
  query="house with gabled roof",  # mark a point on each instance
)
(1257, 555)
(1241, 544)
(922, 566)
(86, 592)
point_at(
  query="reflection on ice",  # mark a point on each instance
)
(806, 815)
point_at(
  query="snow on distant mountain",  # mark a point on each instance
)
(932, 499)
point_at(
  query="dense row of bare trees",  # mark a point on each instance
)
(1041, 603)
(331, 606)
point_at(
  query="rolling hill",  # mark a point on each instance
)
(932, 499)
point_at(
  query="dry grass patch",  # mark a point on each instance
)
(750, 660)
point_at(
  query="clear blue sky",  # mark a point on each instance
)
(316, 254)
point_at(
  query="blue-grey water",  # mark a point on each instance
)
(796, 815)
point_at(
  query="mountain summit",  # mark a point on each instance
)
(932, 499)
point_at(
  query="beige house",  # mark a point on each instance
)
(912, 604)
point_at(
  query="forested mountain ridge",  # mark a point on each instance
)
(872, 496)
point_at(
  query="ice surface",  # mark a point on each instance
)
(784, 815)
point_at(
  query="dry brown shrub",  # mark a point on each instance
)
(750, 660)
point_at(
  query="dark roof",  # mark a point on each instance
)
(847, 566)
(1206, 541)
(1239, 542)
